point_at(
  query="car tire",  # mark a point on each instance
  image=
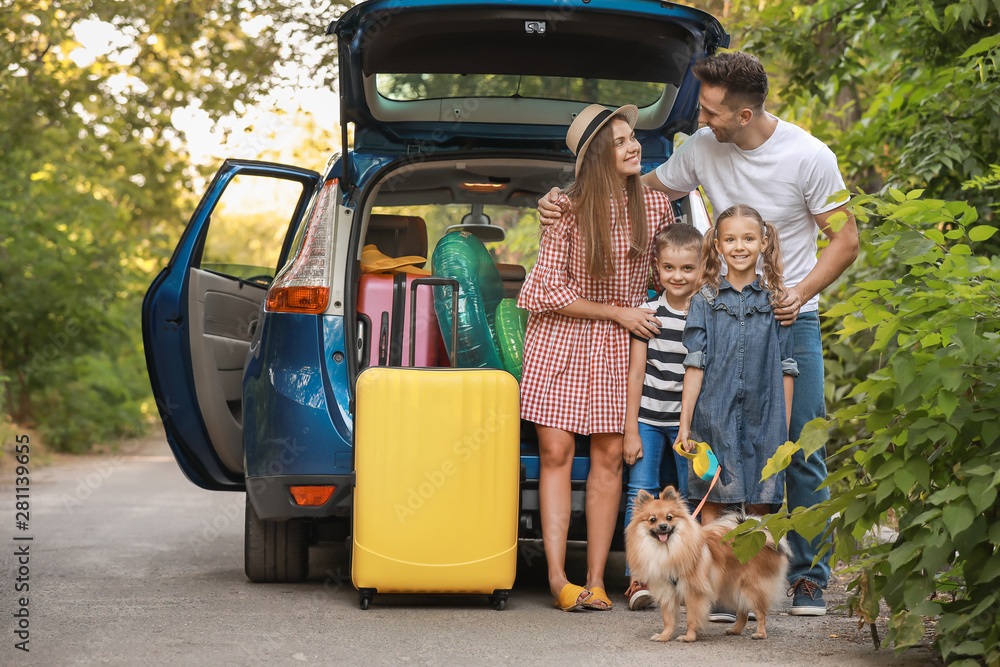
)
(274, 551)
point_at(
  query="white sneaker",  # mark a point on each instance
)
(638, 596)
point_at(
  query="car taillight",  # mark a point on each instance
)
(311, 496)
(304, 285)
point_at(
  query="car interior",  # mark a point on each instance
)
(492, 199)
(413, 207)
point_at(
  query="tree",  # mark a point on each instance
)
(907, 93)
(95, 176)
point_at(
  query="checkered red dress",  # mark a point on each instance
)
(575, 370)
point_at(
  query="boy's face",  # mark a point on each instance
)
(679, 269)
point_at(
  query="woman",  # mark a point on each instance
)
(592, 271)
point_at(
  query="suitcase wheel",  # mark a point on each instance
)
(365, 596)
(499, 599)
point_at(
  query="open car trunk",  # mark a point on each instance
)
(496, 75)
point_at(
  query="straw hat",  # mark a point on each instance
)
(589, 121)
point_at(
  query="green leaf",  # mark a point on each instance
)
(969, 648)
(983, 493)
(991, 431)
(927, 608)
(749, 545)
(984, 604)
(918, 589)
(990, 571)
(904, 479)
(985, 44)
(921, 470)
(888, 467)
(948, 402)
(837, 221)
(981, 232)
(957, 517)
(948, 494)
(782, 457)
(815, 434)
(876, 284)
(902, 554)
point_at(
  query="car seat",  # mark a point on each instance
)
(397, 235)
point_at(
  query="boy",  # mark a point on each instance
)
(655, 376)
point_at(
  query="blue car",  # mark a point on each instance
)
(455, 115)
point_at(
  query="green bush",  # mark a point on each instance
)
(92, 398)
(920, 319)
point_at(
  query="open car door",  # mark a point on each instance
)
(200, 313)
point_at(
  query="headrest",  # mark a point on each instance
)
(511, 271)
(397, 235)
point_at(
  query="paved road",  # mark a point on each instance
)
(132, 564)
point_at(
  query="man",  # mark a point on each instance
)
(745, 155)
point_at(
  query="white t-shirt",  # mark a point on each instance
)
(788, 179)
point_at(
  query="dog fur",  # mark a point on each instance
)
(680, 560)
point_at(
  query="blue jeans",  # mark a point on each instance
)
(659, 466)
(802, 477)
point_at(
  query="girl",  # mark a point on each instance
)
(737, 393)
(592, 272)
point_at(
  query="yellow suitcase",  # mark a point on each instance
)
(437, 468)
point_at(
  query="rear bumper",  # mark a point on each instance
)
(272, 500)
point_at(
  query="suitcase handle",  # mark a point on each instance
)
(443, 282)
(364, 340)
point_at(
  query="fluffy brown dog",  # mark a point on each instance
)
(682, 561)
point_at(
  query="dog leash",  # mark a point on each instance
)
(704, 464)
(715, 478)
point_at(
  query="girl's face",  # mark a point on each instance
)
(627, 151)
(740, 242)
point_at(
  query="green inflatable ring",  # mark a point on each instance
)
(510, 323)
(462, 256)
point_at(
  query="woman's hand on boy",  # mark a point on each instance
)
(632, 448)
(639, 321)
(551, 207)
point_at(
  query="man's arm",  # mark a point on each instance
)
(550, 210)
(832, 261)
(651, 180)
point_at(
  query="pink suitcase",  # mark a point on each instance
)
(375, 299)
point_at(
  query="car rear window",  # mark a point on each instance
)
(410, 87)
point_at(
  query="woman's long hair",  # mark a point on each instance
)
(773, 268)
(596, 189)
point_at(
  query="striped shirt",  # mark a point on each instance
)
(661, 390)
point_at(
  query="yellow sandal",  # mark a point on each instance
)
(569, 597)
(598, 594)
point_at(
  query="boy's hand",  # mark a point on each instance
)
(550, 207)
(632, 448)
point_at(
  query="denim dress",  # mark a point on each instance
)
(740, 411)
